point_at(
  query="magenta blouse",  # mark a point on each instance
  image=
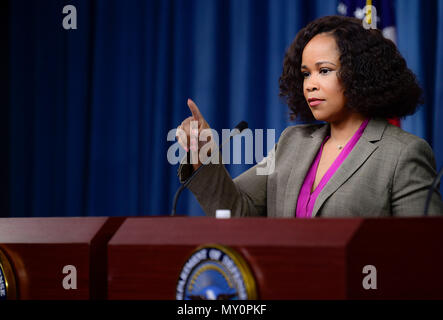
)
(306, 199)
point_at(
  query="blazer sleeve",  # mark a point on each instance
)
(413, 175)
(214, 188)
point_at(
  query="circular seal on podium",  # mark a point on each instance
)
(8, 289)
(215, 272)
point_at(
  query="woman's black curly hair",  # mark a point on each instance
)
(375, 77)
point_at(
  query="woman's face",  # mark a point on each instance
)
(321, 86)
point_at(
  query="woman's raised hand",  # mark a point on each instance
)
(189, 130)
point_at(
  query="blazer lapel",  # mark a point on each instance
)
(362, 150)
(303, 156)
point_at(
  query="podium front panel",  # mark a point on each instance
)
(58, 258)
(378, 258)
(289, 259)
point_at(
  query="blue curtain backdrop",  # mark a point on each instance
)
(89, 109)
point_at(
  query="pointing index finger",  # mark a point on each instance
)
(194, 110)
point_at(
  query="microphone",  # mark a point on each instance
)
(238, 129)
(432, 187)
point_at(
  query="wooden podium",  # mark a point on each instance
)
(38, 249)
(141, 258)
(289, 258)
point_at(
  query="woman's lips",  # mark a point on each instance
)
(314, 103)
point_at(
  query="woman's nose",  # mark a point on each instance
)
(311, 84)
(311, 87)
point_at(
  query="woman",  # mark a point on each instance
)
(355, 165)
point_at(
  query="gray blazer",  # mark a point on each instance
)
(386, 174)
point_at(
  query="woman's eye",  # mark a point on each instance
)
(324, 70)
(305, 74)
